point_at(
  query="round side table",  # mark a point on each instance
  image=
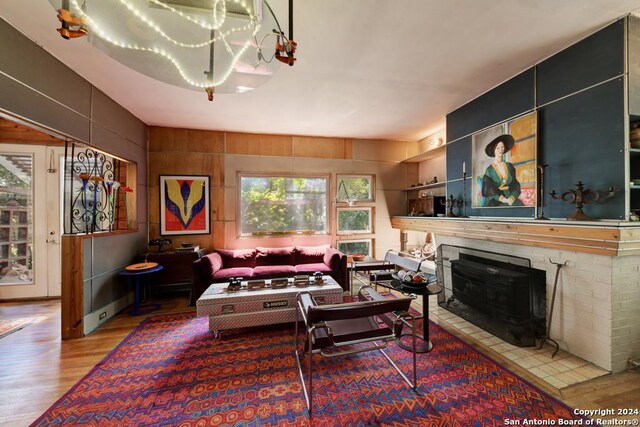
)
(136, 273)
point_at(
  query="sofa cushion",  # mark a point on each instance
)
(225, 273)
(266, 271)
(232, 258)
(211, 264)
(332, 258)
(310, 254)
(274, 256)
(311, 268)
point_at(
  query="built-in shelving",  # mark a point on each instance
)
(427, 186)
(435, 152)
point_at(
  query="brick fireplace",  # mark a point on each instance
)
(597, 307)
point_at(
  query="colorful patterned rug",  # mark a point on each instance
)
(9, 326)
(170, 371)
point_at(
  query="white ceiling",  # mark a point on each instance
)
(374, 69)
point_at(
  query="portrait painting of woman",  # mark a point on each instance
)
(500, 187)
(504, 164)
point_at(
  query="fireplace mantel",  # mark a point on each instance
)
(612, 238)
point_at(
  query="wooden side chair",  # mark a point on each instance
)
(342, 329)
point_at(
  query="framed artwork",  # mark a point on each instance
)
(504, 164)
(184, 204)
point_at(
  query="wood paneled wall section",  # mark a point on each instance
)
(198, 152)
(11, 132)
(72, 291)
(594, 239)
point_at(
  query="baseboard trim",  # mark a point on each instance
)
(92, 320)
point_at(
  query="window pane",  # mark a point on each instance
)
(16, 221)
(351, 247)
(352, 187)
(354, 221)
(279, 204)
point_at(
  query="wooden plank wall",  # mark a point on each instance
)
(175, 151)
(72, 291)
(11, 132)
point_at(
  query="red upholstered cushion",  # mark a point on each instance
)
(225, 273)
(274, 256)
(232, 258)
(310, 254)
(332, 258)
(312, 268)
(211, 264)
(267, 271)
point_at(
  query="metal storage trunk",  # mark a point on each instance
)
(265, 306)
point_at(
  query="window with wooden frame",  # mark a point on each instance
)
(282, 204)
(356, 220)
(355, 188)
(356, 247)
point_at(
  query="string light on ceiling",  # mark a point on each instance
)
(221, 46)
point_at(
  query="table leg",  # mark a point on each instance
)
(423, 345)
(138, 308)
(137, 285)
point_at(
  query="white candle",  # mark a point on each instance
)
(464, 167)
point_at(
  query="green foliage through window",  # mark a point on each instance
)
(354, 187)
(350, 247)
(354, 221)
(283, 205)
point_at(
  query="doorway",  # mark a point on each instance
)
(30, 221)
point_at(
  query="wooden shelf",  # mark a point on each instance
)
(436, 152)
(424, 187)
(595, 237)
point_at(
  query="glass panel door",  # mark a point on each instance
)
(23, 222)
(16, 219)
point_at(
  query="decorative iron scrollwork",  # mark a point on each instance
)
(91, 190)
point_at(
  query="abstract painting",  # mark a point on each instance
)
(184, 204)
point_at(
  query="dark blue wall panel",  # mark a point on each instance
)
(595, 59)
(458, 152)
(582, 138)
(513, 97)
(580, 131)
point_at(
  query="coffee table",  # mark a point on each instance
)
(256, 307)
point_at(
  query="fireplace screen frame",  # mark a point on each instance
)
(479, 285)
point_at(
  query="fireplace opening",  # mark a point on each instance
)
(499, 293)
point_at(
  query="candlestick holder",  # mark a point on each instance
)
(463, 200)
(450, 203)
(581, 197)
(540, 215)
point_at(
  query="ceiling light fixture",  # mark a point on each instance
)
(210, 45)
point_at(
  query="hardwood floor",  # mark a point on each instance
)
(36, 367)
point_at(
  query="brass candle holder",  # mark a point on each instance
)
(581, 197)
(541, 168)
(449, 204)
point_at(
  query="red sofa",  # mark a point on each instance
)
(267, 263)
